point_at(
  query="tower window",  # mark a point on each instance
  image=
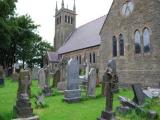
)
(114, 46)
(60, 19)
(137, 38)
(66, 18)
(146, 40)
(71, 20)
(121, 45)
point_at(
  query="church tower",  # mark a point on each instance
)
(65, 24)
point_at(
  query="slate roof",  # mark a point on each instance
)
(83, 37)
(52, 56)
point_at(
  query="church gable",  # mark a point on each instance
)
(130, 35)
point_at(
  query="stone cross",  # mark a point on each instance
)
(92, 82)
(108, 78)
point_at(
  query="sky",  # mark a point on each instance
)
(42, 13)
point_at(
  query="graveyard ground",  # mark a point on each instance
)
(56, 109)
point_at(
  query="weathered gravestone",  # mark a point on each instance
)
(1, 76)
(72, 94)
(41, 78)
(92, 83)
(138, 94)
(108, 78)
(23, 107)
(43, 82)
(61, 86)
(35, 73)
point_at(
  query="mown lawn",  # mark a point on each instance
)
(57, 109)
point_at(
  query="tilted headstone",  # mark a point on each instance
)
(23, 107)
(92, 83)
(72, 94)
(1, 76)
(108, 78)
(138, 94)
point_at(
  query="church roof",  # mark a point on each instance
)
(83, 37)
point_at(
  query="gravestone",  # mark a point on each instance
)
(15, 75)
(41, 78)
(115, 87)
(92, 83)
(35, 73)
(43, 81)
(72, 93)
(61, 86)
(23, 107)
(1, 76)
(87, 70)
(108, 78)
(138, 94)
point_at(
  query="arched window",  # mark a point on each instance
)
(90, 57)
(114, 46)
(121, 45)
(94, 58)
(146, 40)
(137, 38)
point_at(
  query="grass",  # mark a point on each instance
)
(57, 109)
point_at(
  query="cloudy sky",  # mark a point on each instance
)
(42, 12)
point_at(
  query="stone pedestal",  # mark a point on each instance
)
(23, 109)
(72, 95)
(107, 115)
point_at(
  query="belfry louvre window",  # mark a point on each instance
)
(121, 45)
(66, 18)
(114, 46)
(146, 40)
(137, 38)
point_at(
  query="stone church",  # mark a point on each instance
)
(82, 43)
(131, 35)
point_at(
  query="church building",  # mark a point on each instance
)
(131, 35)
(82, 43)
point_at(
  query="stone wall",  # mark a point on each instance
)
(84, 53)
(142, 68)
